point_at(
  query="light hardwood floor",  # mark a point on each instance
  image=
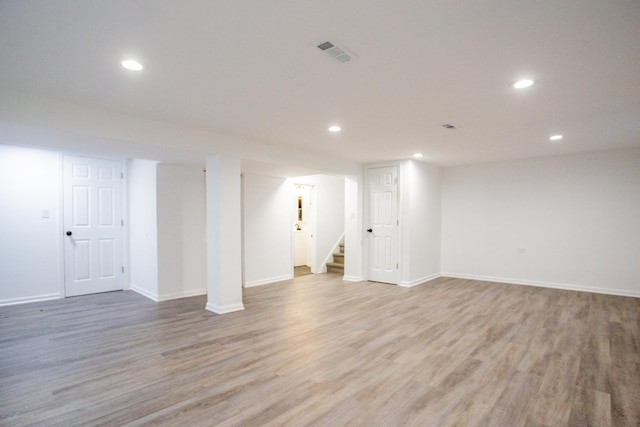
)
(320, 351)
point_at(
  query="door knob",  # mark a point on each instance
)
(369, 230)
(69, 233)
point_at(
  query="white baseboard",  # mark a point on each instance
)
(267, 281)
(353, 278)
(167, 297)
(185, 294)
(25, 300)
(144, 292)
(319, 270)
(564, 286)
(224, 309)
(406, 284)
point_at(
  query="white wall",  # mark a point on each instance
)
(330, 214)
(420, 194)
(143, 236)
(30, 251)
(182, 267)
(267, 229)
(570, 222)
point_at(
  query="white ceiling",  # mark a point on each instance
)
(250, 69)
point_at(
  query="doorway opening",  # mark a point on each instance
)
(303, 229)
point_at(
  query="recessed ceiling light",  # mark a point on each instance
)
(555, 137)
(417, 155)
(524, 83)
(335, 129)
(132, 65)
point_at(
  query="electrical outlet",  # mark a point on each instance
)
(46, 213)
(521, 250)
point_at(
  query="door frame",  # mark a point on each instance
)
(312, 249)
(312, 255)
(125, 216)
(367, 219)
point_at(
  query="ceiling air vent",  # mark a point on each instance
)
(338, 53)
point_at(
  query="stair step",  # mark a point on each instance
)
(335, 267)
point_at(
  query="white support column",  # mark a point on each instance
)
(224, 251)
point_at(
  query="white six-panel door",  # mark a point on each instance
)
(92, 202)
(383, 224)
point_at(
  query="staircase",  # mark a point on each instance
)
(337, 266)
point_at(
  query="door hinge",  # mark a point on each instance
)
(123, 268)
(397, 266)
(121, 175)
(122, 222)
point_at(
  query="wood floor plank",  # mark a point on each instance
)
(552, 404)
(320, 351)
(515, 402)
(590, 408)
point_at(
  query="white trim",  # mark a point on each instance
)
(143, 292)
(382, 165)
(353, 278)
(167, 297)
(242, 218)
(62, 285)
(25, 300)
(563, 286)
(179, 295)
(126, 276)
(407, 284)
(224, 309)
(267, 281)
(312, 255)
(315, 240)
(322, 269)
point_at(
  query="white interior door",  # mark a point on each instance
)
(92, 225)
(383, 224)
